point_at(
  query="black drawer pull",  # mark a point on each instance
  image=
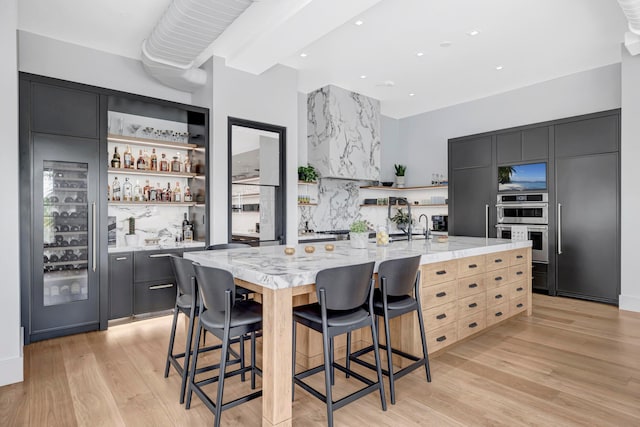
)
(498, 296)
(520, 289)
(473, 325)
(497, 260)
(519, 257)
(159, 255)
(473, 265)
(441, 272)
(156, 287)
(497, 279)
(519, 273)
(498, 314)
(121, 258)
(520, 305)
(473, 305)
(442, 338)
(473, 285)
(441, 316)
(441, 294)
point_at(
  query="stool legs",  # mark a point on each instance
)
(172, 338)
(376, 352)
(424, 346)
(187, 352)
(194, 362)
(387, 335)
(328, 366)
(223, 366)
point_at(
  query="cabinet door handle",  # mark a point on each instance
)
(121, 258)
(519, 273)
(473, 285)
(441, 316)
(94, 235)
(499, 278)
(442, 338)
(156, 287)
(498, 314)
(559, 228)
(473, 325)
(519, 305)
(441, 294)
(159, 255)
(473, 305)
(473, 265)
(520, 289)
(441, 272)
(519, 257)
(497, 260)
(498, 296)
(486, 221)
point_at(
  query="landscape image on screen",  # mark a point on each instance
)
(527, 177)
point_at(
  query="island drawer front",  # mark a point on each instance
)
(441, 337)
(471, 285)
(471, 265)
(471, 324)
(497, 313)
(441, 315)
(517, 272)
(433, 296)
(471, 305)
(439, 272)
(154, 296)
(153, 265)
(497, 295)
(517, 289)
(497, 260)
(518, 304)
(518, 256)
(497, 278)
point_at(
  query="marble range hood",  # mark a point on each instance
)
(343, 134)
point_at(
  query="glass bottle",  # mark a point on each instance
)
(140, 164)
(185, 224)
(166, 195)
(153, 161)
(177, 194)
(164, 165)
(187, 164)
(128, 158)
(146, 196)
(108, 192)
(175, 163)
(115, 190)
(137, 192)
(147, 159)
(115, 161)
(153, 194)
(187, 194)
(188, 234)
(127, 191)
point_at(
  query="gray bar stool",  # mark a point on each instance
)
(342, 295)
(240, 291)
(226, 318)
(399, 293)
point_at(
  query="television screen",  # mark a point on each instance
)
(532, 176)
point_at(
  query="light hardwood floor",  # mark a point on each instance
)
(571, 363)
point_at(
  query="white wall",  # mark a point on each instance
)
(62, 60)
(389, 152)
(11, 366)
(423, 138)
(271, 97)
(630, 153)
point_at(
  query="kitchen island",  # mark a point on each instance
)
(467, 284)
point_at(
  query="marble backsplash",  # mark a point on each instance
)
(153, 221)
(338, 206)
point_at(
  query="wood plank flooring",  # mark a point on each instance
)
(572, 363)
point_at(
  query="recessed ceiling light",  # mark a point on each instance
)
(412, 94)
(303, 55)
(363, 76)
(499, 67)
(359, 22)
(473, 33)
(420, 54)
(445, 43)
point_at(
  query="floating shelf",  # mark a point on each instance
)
(424, 187)
(175, 204)
(152, 173)
(307, 182)
(307, 204)
(151, 142)
(403, 206)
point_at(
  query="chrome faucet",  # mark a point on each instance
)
(409, 230)
(427, 232)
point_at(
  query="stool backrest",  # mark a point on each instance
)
(346, 287)
(227, 246)
(213, 284)
(184, 273)
(399, 275)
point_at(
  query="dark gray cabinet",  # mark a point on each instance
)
(154, 282)
(120, 285)
(472, 187)
(530, 144)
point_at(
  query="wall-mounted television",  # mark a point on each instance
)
(528, 177)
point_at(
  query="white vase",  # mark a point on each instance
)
(399, 181)
(131, 239)
(359, 240)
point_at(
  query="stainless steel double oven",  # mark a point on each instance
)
(530, 210)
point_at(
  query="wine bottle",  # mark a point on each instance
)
(115, 161)
(185, 224)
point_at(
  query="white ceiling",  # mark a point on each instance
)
(534, 41)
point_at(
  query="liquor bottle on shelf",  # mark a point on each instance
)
(164, 165)
(177, 194)
(167, 194)
(175, 163)
(146, 191)
(141, 164)
(147, 159)
(127, 191)
(187, 164)
(115, 161)
(128, 158)
(137, 192)
(153, 161)
(187, 194)
(108, 192)
(185, 224)
(153, 193)
(115, 187)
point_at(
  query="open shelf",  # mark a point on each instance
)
(155, 203)
(404, 206)
(151, 172)
(151, 142)
(424, 187)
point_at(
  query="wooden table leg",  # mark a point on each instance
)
(276, 357)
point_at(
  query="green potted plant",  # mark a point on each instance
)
(401, 219)
(131, 238)
(400, 171)
(359, 234)
(307, 173)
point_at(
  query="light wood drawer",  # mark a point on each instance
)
(497, 260)
(436, 295)
(518, 304)
(496, 278)
(471, 265)
(497, 295)
(439, 272)
(517, 289)
(441, 315)
(517, 272)
(471, 304)
(442, 337)
(471, 285)
(497, 313)
(471, 324)
(517, 256)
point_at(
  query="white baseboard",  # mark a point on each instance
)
(11, 370)
(629, 303)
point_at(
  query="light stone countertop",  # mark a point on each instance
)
(308, 237)
(182, 245)
(268, 266)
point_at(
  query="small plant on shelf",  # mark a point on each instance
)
(131, 238)
(307, 173)
(400, 169)
(132, 226)
(401, 218)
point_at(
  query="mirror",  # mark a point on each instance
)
(256, 177)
